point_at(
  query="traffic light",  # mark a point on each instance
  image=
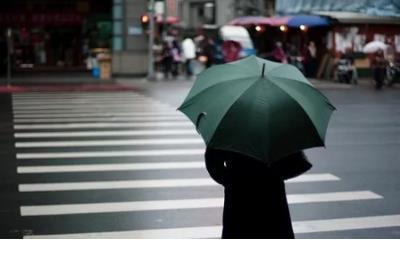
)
(145, 19)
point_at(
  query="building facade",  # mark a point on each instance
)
(129, 41)
(52, 35)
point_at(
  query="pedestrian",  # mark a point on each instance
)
(278, 54)
(209, 51)
(166, 59)
(231, 50)
(176, 58)
(255, 199)
(294, 57)
(157, 51)
(189, 54)
(379, 64)
(349, 56)
(310, 60)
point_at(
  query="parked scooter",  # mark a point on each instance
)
(344, 71)
(392, 73)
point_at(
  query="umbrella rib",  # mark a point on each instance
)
(313, 126)
(223, 117)
(310, 86)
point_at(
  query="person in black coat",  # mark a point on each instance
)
(255, 198)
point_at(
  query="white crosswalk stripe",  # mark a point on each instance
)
(67, 209)
(167, 124)
(70, 134)
(129, 119)
(299, 227)
(109, 154)
(125, 142)
(89, 154)
(36, 187)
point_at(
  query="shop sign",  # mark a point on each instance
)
(41, 19)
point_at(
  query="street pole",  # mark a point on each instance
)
(165, 23)
(9, 43)
(150, 71)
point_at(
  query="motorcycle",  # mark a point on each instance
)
(344, 71)
(392, 73)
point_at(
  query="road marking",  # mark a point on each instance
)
(100, 154)
(128, 184)
(93, 107)
(83, 101)
(87, 111)
(98, 119)
(102, 125)
(79, 93)
(67, 209)
(162, 183)
(111, 167)
(48, 144)
(104, 133)
(299, 227)
(78, 99)
(49, 114)
(316, 177)
(78, 96)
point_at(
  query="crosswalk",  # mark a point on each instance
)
(124, 165)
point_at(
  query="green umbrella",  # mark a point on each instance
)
(259, 108)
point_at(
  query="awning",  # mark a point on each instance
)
(291, 21)
(358, 18)
(259, 20)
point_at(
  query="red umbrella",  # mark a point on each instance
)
(231, 50)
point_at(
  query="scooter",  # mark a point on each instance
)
(392, 73)
(344, 71)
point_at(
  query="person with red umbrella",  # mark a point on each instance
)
(231, 50)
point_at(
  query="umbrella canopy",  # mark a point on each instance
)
(259, 108)
(374, 46)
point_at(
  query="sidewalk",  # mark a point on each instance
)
(85, 82)
(75, 81)
(182, 82)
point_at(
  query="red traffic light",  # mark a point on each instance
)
(145, 19)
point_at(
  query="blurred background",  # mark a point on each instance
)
(82, 35)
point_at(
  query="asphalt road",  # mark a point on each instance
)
(126, 164)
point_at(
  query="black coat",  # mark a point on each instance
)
(255, 198)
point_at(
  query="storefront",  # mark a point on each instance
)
(55, 35)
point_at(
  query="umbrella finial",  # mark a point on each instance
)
(263, 70)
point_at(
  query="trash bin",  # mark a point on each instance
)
(103, 68)
(104, 65)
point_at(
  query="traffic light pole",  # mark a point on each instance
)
(9, 43)
(165, 22)
(150, 71)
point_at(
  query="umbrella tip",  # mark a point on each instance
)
(263, 70)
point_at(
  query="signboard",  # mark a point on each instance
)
(40, 19)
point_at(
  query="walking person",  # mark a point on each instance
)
(255, 127)
(379, 64)
(189, 54)
(310, 60)
(176, 58)
(209, 52)
(167, 59)
(278, 54)
(255, 199)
